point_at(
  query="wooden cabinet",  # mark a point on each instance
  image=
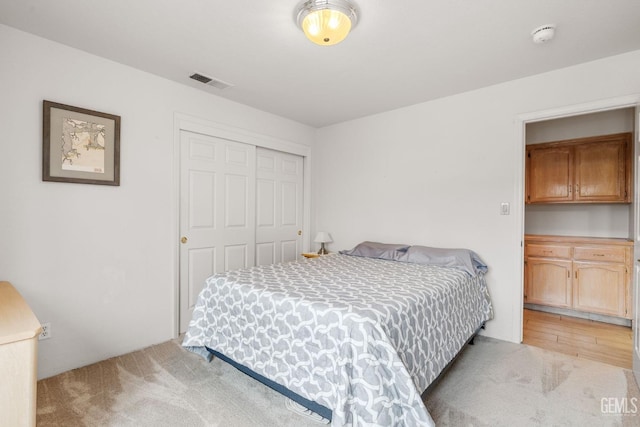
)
(19, 331)
(600, 288)
(549, 176)
(549, 282)
(579, 273)
(585, 170)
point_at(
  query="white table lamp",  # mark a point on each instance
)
(323, 237)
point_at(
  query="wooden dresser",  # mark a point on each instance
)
(19, 330)
(585, 274)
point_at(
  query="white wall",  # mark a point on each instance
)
(98, 262)
(435, 173)
(594, 220)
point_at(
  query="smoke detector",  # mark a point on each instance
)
(543, 34)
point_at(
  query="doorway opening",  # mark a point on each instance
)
(555, 318)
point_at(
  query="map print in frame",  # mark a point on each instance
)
(80, 145)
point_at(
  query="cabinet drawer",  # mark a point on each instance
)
(549, 251)
(594, 253)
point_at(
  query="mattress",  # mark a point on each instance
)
(360, 336)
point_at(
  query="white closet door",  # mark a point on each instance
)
(279, 190)
(217, 212)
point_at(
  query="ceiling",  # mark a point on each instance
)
(400, 53)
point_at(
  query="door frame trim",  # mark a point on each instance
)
(521, 121)
(186, 122)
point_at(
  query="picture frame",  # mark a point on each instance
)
(80, 145)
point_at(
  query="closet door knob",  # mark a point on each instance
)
(184, 240)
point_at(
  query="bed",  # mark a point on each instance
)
(359, 334)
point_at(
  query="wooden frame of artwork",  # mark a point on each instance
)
(80, 145)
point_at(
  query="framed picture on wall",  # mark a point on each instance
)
(80, 145)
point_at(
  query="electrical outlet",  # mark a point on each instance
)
(46, 331)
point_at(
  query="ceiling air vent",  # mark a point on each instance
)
(218, 84)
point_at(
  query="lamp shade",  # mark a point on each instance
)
(326, 22)
(323, 237)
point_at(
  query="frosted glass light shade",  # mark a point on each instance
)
(323, 237)
(326, 22)
(326, 27)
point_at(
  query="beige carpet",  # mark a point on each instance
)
(163, 385)
(496, 383)
(493, 383)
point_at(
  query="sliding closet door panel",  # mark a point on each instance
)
(201, 266)
(236, 256)
(236, 191)
(239, 206)
(290, 211)
(279, 206)
(289, 250)
(201, 209)
(217, 212)
(265, 203)
(265, 253)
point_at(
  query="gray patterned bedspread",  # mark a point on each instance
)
(361, 336)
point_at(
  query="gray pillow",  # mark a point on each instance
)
(377, 250)
(463, 259)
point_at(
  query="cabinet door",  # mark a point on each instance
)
(550, 174)
(599, 288)
(549, 282)
(600, 172)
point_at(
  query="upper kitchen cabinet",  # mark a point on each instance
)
(586, 170)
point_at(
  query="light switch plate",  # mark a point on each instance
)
(504, 208)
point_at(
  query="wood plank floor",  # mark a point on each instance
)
(584, 338)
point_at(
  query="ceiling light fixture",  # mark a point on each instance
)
(326, 22)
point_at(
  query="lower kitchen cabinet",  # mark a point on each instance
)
(580, 273)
